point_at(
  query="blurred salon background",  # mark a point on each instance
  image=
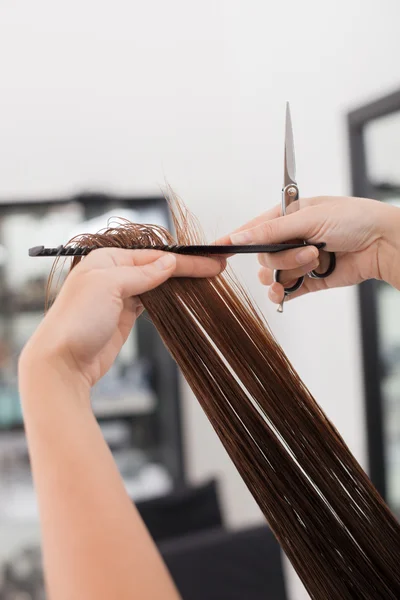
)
(101, 103)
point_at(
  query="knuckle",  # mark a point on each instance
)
(100, 256)
(263, 259)
(147, 271)
(100, 252)
(289, 260)
(150, 272)
(291, 275)
(107, 257)
(313, 201)
(88, 279)
(266, 231)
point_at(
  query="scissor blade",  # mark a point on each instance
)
(289, 161)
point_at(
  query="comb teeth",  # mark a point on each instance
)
(60, 251)
(84, 250)
(194, 250)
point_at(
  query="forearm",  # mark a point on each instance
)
(389, 249)
(95, 545)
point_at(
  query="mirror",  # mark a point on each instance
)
(382, 140)
(374, 131)
(382, 143)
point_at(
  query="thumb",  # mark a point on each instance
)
(303, 224)
(136, 280)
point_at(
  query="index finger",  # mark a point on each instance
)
(186, 266)
(273, 213)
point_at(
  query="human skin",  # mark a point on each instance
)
(95, 545)
(363, 233)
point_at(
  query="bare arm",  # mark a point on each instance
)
(95, 544)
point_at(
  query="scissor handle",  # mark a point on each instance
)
(300, 281)
(291, 289)
(329, 271)
(290, 193)
(312, 274)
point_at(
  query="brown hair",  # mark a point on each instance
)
(331, 522)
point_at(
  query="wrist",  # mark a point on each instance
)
(389, 245)
(43, 374)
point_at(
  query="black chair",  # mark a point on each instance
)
(182, 512)
(221, 565)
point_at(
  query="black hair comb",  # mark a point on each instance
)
(199, 250)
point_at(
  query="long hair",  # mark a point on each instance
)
(336, 530)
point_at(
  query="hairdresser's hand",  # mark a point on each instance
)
(364, 234)
(98, 304)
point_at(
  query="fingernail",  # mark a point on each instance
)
(165, 262)
(306, 255)
(242, 237)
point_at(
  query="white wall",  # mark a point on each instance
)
(118, 95)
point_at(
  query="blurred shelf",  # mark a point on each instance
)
(14, 428)
(29, 308)
(137, 404)
(9, 305)
(18, 503)
(115, 432)
(12, 442)
(127, 413)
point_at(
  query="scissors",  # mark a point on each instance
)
(290, 194)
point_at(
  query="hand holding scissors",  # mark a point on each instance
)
(290, 198)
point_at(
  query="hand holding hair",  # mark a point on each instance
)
(363, 233)
(102, 293)
(95, 545)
